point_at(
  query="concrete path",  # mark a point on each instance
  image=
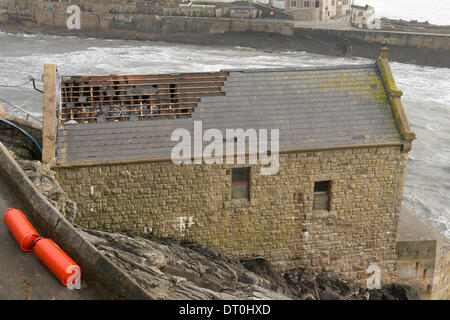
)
(22, 275)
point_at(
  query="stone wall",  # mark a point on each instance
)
(142, 21)
(193, 203)
(441, 283)
(423, 257)
(416, 265)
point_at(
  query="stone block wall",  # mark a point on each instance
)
(441, 283)
(193, 203)
(415, 266)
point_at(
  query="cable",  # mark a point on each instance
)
(18, 108)
(34, 83)
(19, 85)
(30, 79)
(24, 132)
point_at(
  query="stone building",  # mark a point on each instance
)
(361, 15)
(243, 10)
(317, 10)
(332, 205)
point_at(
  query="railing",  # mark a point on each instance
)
(16, 109)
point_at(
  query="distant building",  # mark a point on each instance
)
(361, 15)
(317, 10)
(306, 10)
(243, 10)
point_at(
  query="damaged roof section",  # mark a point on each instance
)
(312, 108)
(93, 99)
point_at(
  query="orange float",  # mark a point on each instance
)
(21, 228)
(57, 261)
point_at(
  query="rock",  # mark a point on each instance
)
(308, 297)
(324, 295)
(404, 292)
(170, 270)
(395, 291)
(71, 211)
(264, 269)
(46, 182)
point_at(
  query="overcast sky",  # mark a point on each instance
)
(435, 11)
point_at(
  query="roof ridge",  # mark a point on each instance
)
(336, 67)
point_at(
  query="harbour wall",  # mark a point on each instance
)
(141, 21)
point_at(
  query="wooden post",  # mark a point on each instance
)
(49, 115)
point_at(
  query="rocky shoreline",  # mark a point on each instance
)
(172, 270)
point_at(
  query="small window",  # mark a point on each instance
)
(293, 3)
(317, 4)
(322, 195)
(240, 178)
(306, 4)
(332, 2)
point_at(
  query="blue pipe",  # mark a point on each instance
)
(23, 131)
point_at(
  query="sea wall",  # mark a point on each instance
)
(423, 258)
(424, 265)
(145, 21)
(194, 203)
(110, 281)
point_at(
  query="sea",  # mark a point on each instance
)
(426, 92)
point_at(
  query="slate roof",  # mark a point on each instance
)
(242, 6)
(312, 108)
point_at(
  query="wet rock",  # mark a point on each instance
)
(395, 291)
(264, 269)
(170, 270)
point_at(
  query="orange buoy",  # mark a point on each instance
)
(21, 228)
(59, 263)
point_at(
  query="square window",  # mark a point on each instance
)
(322, 195)
(240, 181)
